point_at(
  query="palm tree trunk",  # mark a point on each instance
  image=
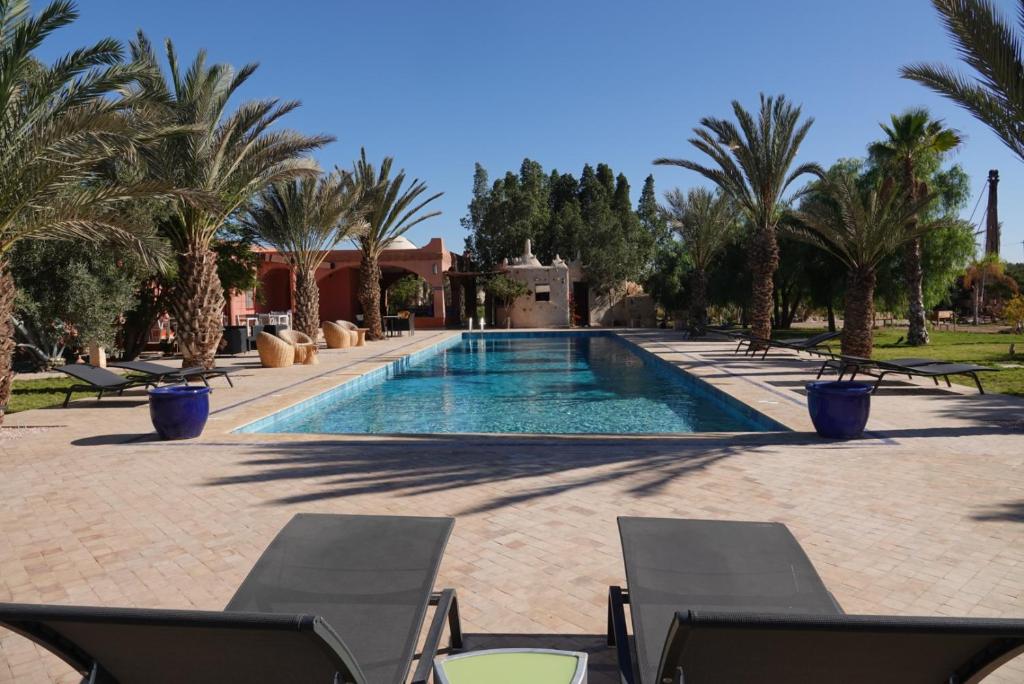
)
(198, 306)
(307, 303)
(918, 332)
(859, 316)
(369, 296)
(698, 303)
(7, 292)
(764, 260)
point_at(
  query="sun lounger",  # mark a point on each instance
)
(99, 380)
(752, 344)
(334, 598)
(162, 373)
(911, 367)
(717, 601)
(811, 345)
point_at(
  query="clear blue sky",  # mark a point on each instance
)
(441, 85)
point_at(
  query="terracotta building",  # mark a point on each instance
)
(338, 279)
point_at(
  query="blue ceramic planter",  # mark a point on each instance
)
(179, 411)
(839, 410)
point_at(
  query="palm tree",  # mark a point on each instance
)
(304, 219)
(706, 222)
(230, 156)
(388, 212)
(62, 125)
(913, 138)
(860, 228)
(992, 49)
(754, 166)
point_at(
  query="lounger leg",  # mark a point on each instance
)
(617, 636)
(99, 396)
(981, 390)
(67, 397)
(447, 610)
(227, 376)
(205, 381)
(948, 383)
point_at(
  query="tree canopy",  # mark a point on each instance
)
(591, 218)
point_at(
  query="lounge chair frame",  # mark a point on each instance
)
(915, 367)
(129, 383)
(175, 374)
(270, 582)
(984, 644)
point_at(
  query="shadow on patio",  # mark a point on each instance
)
(1007, 512)
(429, 464)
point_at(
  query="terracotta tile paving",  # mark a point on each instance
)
(925, 516)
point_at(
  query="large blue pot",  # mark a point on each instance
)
(839, 410)
(179, 411)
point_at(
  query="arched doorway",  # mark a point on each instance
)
(403, 290)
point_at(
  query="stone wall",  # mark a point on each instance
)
(527, 312)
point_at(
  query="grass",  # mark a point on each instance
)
(982, 348)
(41, 393)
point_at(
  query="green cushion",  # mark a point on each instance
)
(511, 668)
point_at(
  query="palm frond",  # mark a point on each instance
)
(388, 207)
(992, 49)
(752, 158)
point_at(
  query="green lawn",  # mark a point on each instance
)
(33, 394)
(982, 348)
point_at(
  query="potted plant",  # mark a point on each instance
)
(179, 411)
(839, 409)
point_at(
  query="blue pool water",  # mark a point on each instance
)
(554, 384)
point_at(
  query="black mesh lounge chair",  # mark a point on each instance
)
(842, 364)
(334, 599)
(99, 380)
(716, 601)
(162, 373)
(812, 345)
(911, 367)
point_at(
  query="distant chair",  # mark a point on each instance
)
(337, 336)
(305, 347)
(360, 332)
(945, 319)
(274, 352)
(406, 322)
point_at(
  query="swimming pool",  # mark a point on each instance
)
(554, 383)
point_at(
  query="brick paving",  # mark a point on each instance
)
(925, 516)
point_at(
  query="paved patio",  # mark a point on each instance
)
(926, 516)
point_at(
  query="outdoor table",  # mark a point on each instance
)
(512, 666)
(361, 336)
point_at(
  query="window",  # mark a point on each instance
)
(250, 299)
(542, 293)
